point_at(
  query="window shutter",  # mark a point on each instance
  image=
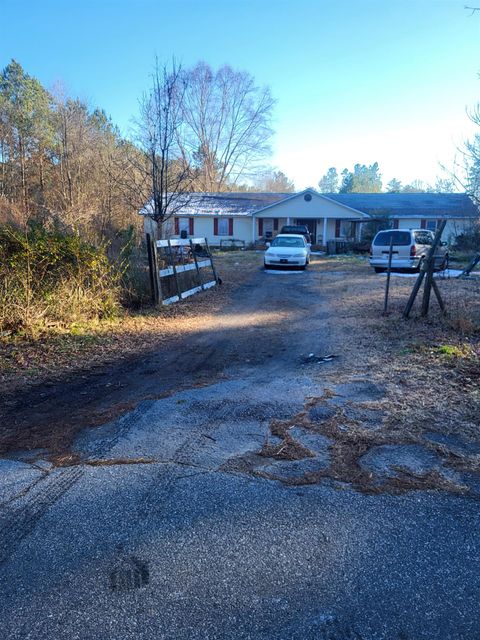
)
(230, 226)
(215, 226)
(423, 224)
(275, 224)
(337, 228)
(395, 223)
(190, 226)
(177, 227)
(260, 227)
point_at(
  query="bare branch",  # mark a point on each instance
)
(472, 9)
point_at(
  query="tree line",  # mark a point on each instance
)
(368, 179)
(67, 165)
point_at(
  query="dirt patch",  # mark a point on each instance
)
(76, 383)
(411, 463)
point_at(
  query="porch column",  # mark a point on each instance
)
(324, 238)
(289, 221)
(254, 221)
(358, 231)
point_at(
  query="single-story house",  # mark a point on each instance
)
(250, 216)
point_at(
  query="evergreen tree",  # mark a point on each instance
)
(329, 182)
(394, 186)
(363, 179)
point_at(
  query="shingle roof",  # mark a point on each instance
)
(408, 205)
(421, 205)
(227, 204)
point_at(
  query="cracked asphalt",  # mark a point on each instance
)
(175, 524)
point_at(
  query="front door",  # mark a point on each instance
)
(311, 226)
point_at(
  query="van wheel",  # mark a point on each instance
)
(379, 269)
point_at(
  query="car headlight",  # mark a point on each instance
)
(271, 255)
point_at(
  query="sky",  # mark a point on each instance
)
(356, 81)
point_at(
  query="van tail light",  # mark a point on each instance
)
(413, 251)
(371, 250)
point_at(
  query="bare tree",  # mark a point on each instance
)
(165, 166)
(274, 181)
(227, 128)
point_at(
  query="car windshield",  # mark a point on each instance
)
(294, 230)
(288, 242)
(401, 238)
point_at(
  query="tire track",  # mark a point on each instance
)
(17, 523)
(19, 517)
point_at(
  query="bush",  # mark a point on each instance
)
(53, 278)
(469, 240)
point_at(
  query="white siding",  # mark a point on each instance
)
(317, 207)
(204, 227)
(453, 228)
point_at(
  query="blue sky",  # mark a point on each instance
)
(355, 81)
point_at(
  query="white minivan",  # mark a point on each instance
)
(410, 248)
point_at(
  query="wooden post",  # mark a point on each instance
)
(428, 286)
(430, 266)
(196, 264)
(211, 262)
(436, 290)
(472, 264)
(429, 262)
(389, 271)
(151, 268)
(413, 295)
(172, 258)
(155, 284)
(158, 283)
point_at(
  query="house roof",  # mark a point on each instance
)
(411, 205)
(314, 194)
(407, 205)
(224, 204)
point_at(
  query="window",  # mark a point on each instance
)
(223, 227)
(285, 241)
(400, 238)
(423, 237)
(268, 227)
(183, 225)
(431, 225)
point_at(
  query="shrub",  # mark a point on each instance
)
(53, 278)
(469, 240)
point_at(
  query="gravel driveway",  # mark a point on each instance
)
(264, 496)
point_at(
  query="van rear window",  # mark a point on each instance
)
(401, 238)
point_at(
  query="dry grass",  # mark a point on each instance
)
(63, 352)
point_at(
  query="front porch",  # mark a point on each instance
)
(322, 230)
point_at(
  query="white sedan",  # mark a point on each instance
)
(287, 250)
